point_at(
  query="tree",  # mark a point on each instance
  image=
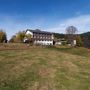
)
(3, 36)
(12, 40)
(79, 41)
(20, 36)
(71, 30)
(28, 38)
(71, 34)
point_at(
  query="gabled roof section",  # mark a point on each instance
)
(39, 31)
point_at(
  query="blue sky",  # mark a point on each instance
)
(49, 15)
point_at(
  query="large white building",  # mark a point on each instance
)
(41, 37)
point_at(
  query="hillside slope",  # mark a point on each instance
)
(40, 68)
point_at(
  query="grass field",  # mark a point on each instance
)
(25, 67)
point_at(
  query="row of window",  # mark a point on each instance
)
(43, 40)
(42, 37)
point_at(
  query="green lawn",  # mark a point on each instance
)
(25, 67)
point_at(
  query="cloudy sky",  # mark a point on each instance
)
(49, 15)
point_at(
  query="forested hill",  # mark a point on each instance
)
(87, 35)
(86, 39)
(83, 35)
(59, 35)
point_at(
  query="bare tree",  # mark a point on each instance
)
(71, 34)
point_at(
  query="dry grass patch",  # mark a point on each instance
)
(40, 68)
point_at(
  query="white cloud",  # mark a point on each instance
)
(13, 24)
(81, 22)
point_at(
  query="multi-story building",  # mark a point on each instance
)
(41, 37)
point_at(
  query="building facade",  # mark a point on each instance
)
(41, 37)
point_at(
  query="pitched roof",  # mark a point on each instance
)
(39, 31)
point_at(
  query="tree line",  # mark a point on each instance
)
(69, 36)
(17, 38)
